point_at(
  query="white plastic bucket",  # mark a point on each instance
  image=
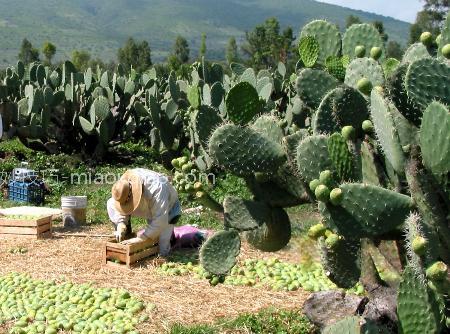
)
(74, 210)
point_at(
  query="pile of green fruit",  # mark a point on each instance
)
(185, 176)
(276, 274)
(18, 250)
(44, 307)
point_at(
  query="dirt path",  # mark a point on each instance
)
(176, 299)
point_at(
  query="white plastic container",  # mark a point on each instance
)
(74, 210)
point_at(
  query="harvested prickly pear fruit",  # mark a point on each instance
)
(317, 231)
(364, 86)
(314, 184)
(426, 38)
(419, 245)
(360, 51)
(198, 186)
(326, 177)
(336, 196)
(437, 271)
(322, 193)
(175, 163)
(376, 52)
(446, 51)
(331, 241)
(348, 132)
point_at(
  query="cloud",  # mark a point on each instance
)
(404, 10)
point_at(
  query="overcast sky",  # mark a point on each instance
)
(404, 10)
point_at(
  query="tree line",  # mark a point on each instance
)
(264, 46)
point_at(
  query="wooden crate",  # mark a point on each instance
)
(36, 228)
(128, 255)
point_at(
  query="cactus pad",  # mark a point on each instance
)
(218, 254)
(309, 50)
(340, 156)
(341, 107)
(366, 211)
(313, 157)
(268, 126)
(242, 103)
(244, 151)
(206, 119)
(364, 68)
(361, 34)
(274, 234)
(415, 52)
(417, 308)
(335, 66)
(428, 80)
(327, 36)
(342, 261)
(386, 132)
(312, 85)
(244, 215)
(434, 138)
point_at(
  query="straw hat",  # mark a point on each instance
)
(127, 193)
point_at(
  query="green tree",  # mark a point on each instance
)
(81, 59)
(394, 50)
(28, 53)
(351, 20)
(231, 53)
(135, 54)
(49, 50)
(429, 19)
(380, 27)
(266, 46)
(202, 51)
(181, 50)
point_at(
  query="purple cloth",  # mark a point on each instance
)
(189, 236)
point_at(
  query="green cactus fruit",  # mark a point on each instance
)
(361, 35)
(336, 196)
(309, 50)
(360, 51)
(446, 51)
(419, 245)
(322, 193)
(376, 52)
(198, 186)
(364, 86)
(348, 132)
(426, 38)
(326, 177)
(244, 215)
(186, 168)
(312, 85)
(274, 234)
(332, 241)
(437, 271)
(385, 210)
(242, 103)
(341, 157)
(314, 184)
(243, 151)
(214, 281)
(417, 307)
(434, 139)
(317, 231)
(367, 126)
(175, 163)
(218, 254)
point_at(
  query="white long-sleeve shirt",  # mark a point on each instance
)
(159, 203)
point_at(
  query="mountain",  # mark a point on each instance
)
(102, 26)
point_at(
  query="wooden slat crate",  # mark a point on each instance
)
(35, 228)
(124, 256)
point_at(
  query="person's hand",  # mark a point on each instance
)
(132, 241)
(140, 233)
(120, 232)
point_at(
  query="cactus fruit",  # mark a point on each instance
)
(348, 132)
(367, 126)
(218, 254)
(361, 35)
(336, 196)
(364, 86)
(314, 184)
(332, 241)
(317, 231)
(419, 245)
(326, 177)
(426, 38)
(446, 51)
(360, 51)
(376, 52)
(437, 271)
(322, 193)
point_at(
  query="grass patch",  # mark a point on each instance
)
(265, 321)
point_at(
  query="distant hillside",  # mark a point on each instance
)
(101, 26)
